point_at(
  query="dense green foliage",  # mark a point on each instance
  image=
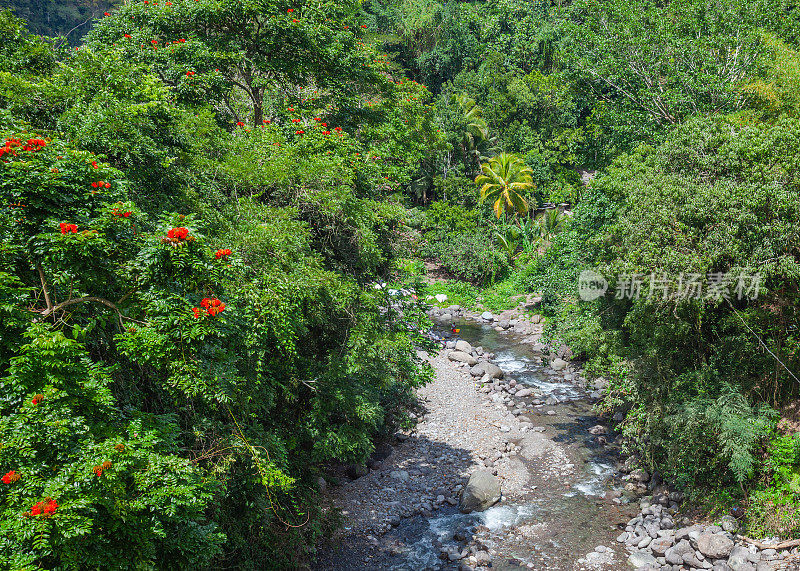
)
(190, 331)
(198, 198)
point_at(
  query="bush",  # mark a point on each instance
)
(472, 257)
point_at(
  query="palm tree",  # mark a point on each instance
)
(475, 138)
(504, 179)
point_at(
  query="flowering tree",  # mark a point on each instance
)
(232, 50)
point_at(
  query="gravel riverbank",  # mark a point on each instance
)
(524, 416)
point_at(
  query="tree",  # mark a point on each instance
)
(232, 51)
(504, 179)
(650, 65)
(475, 137)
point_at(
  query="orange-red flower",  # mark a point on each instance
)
(212, 306)
(47, 508)
(67, 229)
(178, 234)
(11, 477)
(222, 253)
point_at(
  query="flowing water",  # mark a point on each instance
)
(558, 520)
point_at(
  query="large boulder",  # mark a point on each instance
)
(462, 345)
(558, 364)
(482, 492)
(462, 357)
(714, 545)
(487, 315)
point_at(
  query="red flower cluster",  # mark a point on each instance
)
(326, 132)
(190, 73)
(47, 508)
(94, 164)
(8, 148)
(295, 120)
(30, 145)
(98, 470)
(67, 228)
(118, 212)
(34, 145)
(11, 477)
(299, 132)
(290, 10)
(101, 184)
(223, 253)
(211, 306)
(178, 234)
(240, 123)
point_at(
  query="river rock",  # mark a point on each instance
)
(487, 315)
(464, 346)
(524, 393)
(660, 545)
(729, 523)
(485, 368)
(462, 357)
(483, 559)
(558, 364)
(643, 559)
(739, 559)
(714, 545)
(482, 492)
(674, 554)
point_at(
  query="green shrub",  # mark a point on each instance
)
(775, 503)
(472, 257)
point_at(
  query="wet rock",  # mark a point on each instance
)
(558, 364)
(598, 429)
(640, 475)
(486, 315)
(482, 492)
(714, 546)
